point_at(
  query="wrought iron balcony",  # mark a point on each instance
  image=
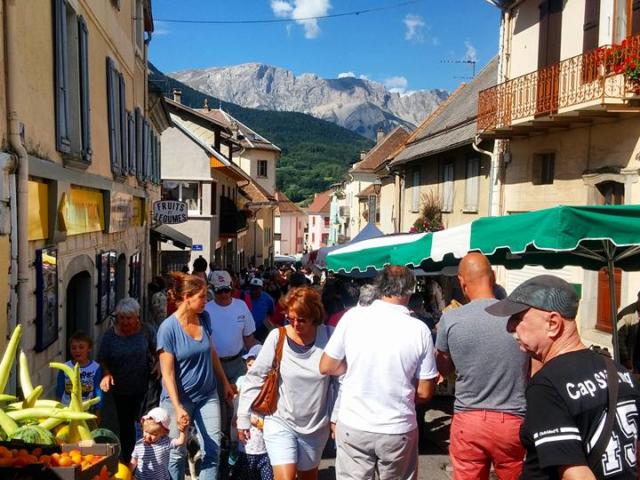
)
(598, 83)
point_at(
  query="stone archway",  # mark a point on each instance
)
(78, 292)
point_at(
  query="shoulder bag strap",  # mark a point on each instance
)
(612, 387)
(282, 333)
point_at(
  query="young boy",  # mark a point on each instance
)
(150, 457)
(253, 461)
(80, 345)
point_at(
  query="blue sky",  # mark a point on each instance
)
(402, 47)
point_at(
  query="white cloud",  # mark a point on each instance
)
(415, 28)
(301, 11)
(471, 53)
(347, 75)
(396, 84)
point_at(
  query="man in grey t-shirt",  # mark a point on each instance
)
(491, 377)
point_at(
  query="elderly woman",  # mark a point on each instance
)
(123, 356)
(190, 367)
(296, 433)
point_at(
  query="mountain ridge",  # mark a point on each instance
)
(359, 104)
(315, 153)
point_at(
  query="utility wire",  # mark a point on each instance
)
(289, 20)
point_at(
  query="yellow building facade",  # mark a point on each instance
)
(84, 141)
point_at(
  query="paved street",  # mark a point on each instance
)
(434, 462)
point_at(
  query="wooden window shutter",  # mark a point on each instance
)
(85, 107)
(139, 144)
(550, 34)
(591, 27)
(145, 150)
(131, 137)
(122, 125)
(111, 108)
(61, 79)
(635, 17)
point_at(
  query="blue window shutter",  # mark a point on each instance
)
(85, 108)
(139, 144)
(122, 125)
(111, 108)
(61, 78)
(159, 162)
(132, 142)
(145, 151)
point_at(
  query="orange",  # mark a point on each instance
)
(36, 451)
(65, 462)
(73, 452)
(76, 459)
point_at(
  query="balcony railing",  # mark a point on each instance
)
(591, 81)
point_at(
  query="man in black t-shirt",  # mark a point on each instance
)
(567, 398)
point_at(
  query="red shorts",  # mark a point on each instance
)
(481, 438)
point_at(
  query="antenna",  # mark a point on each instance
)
(468, 62)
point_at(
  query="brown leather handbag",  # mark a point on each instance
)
(266, 403)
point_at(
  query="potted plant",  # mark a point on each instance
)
(430, 219)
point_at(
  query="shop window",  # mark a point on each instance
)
(543, 168)
(262, 168)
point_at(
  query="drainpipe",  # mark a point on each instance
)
(15, 140)
(494, 160)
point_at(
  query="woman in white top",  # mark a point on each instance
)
(295, 435)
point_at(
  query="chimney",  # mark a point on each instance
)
(177, 95)
(206, 104)
(362, 154)
(379, 135)
(235, 128)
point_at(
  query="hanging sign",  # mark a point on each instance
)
(169, 212)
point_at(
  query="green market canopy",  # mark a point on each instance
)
(591, 237)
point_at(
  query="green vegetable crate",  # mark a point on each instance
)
(109, 451)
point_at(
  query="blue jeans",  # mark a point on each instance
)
(206, 417)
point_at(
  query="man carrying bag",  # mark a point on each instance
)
(582, 409)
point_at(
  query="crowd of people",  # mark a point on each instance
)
(356, 364)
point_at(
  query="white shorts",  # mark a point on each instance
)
(285, 446)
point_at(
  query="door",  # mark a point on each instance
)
(611, 193)
(549, 41)
(78, 313)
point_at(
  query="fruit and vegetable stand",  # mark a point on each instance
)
(43, 439)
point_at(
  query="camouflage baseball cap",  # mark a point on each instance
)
(544, 292)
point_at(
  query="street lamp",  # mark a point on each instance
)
(373, 200)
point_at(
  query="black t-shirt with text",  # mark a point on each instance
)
(566, 411)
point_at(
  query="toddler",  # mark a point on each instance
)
(150, 457)
(253, 462)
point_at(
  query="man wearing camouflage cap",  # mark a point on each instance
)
(567, 398)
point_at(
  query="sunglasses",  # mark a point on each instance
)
(222, 290)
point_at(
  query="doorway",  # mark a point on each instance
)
(121, 277)
(78, 313)
(549, 42)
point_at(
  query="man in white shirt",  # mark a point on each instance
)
(387, 358)
(232, 328)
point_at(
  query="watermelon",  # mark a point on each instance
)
(33, 434)
(102, 435)
(62, 434)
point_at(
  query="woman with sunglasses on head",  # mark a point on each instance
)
(191, 375)
(295, 435)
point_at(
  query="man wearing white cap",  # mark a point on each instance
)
(232, 330)
(262, 307)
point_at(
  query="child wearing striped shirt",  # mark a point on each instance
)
(150, 457)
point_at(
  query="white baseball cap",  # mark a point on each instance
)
(256, 282)
(159, 415)
(220, 278)
(253, 352)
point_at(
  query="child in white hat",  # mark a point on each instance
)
(150, 457)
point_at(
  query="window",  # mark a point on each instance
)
(543, 168)
(313, 221)
(71, 54)
(188, 192)
(313, 237)
(325, 239)
(326, 221)
(415, 191)
(262, 168)
(373, 211)
(448, 176)
(118, 121)
(621, 19)
(139, 144)
(472, 184)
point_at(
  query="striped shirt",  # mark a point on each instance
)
(152, 459)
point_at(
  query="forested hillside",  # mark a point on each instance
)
(315, 153)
